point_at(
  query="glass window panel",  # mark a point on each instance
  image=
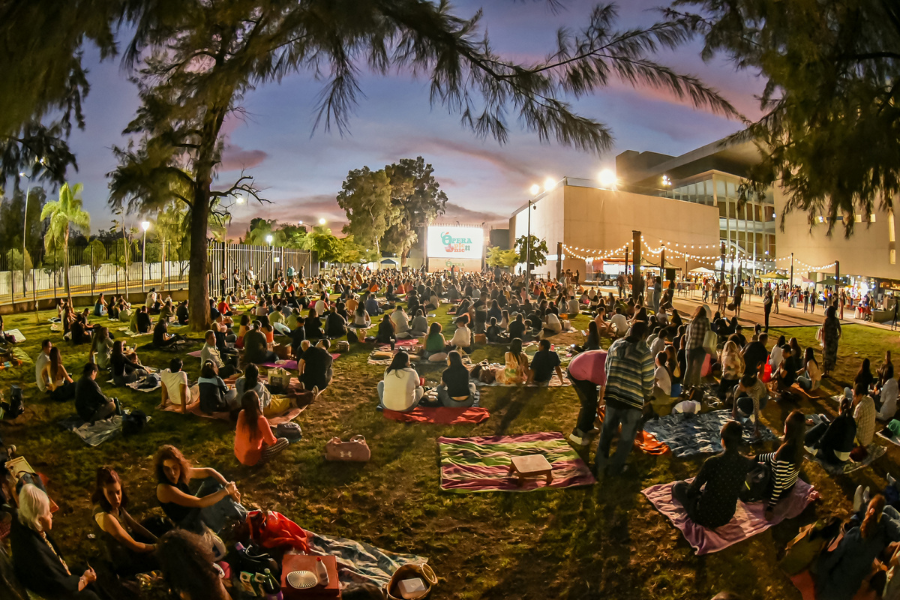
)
(730, 189)
(722, 208)
(732, 210)
(720, 189)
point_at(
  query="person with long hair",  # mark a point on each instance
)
(400, 390)
(455, 390)
(732, 362)
(37, 559)
(254, 442)
(810, 375)
(515, 371)
(711, 499)
(188, 567)
(101, 347)
(126, 367)
(386, 333)
(130, 545)
(784, 464)
(215, 500)
(830, 337)
(313, 324)
(840, 573)
(250, 383)
(435, 344)
(214, 395)
(832, 442)
(56, 379)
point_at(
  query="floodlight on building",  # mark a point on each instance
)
(607, 178)
(145, 225)
(269, 239)
(549, 184)
(535, 190)
(666, 181)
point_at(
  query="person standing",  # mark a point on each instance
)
(831, 333)
(767, 308)
(587, 372)
(630, 377)
(694, 348)
(738, 298)
(894, 319)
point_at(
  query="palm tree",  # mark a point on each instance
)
(61, 213)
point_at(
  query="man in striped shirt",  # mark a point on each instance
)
(629, 370)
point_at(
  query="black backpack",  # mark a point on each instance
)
(16, 404)
(133, 423)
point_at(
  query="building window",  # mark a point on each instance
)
(893, 256)
(722, 208)
(891, 235)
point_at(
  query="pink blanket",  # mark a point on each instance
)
(440, 415)
(748, 520)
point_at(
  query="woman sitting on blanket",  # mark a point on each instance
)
(839, 574)
(175, 391)
(215, 396)
(313, 325)
(455, 390)
(494, 333)
(419, 325)
(385, 333)
(832, 442)
(56, 379)
(161, 336)
(516, 371)
(593, 339)
(400, 390)
(101, 347)
(254, 442)
(462, 337)
(361, 318)
(784, 464)
(126, 367)
(216, 499)
(435, 345)
(711, 499)
(131, 546)
(270, 405)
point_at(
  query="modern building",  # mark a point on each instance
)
(594, 227)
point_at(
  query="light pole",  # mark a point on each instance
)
(535, 190)
(269, 242)
(145, 225)
(25, 222)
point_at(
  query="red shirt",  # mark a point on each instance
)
(248, 450)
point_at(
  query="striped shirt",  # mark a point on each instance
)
(784, 476)
(629, 373)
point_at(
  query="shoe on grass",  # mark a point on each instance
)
(857, 498)
(577, 439)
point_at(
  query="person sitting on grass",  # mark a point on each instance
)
(161, 336)
(832, 442)
(711, 499)
(662, 386)
(210, 353)
(515, 371)
(250, 383)
(126, 366)
(518, 328)
(101, 347)
(455, 389)
(100, 307)
(494, 332)
(90, 402)
(544, 363)
(462, 337)
(167, 311)
(361, 318)
(784, 464)
(215, 500)
(400, 390)
(189, 568)
(732, 362)
(80, 332)
(37, 560)
(551, 325)
(419, 326)
(57, 380)
(435, 345)
(215, 396)
(130, 546)
(313, 325)
(254, 442)
(175, 389)
(592, 342)
(315, 367)
(335, 324)
(385, 333)
(401, 323)
(256, 348)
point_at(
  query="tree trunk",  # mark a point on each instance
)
(66, 265)
(198, 286)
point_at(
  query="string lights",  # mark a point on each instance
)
(808, 266)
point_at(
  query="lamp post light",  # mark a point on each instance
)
(535, 190)
(145, 225)
(322, 221)
(42, 162)
(271, 255)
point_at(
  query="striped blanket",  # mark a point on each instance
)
(481, 464)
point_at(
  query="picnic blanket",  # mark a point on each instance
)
(440, 415)
(748, 520)
(96, 434)
(688, 435)
(875, 451)
(886, 434)
(128, 332)
(555, 381)
(481, 464)
(359, 562)
(136, 385)
(16, 335)
(194, 409)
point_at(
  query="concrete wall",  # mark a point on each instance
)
(604, 219)
(866, 253)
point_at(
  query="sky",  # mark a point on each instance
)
(300, 169)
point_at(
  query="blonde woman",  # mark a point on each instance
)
(732, 362)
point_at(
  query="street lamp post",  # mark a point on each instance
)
(535, 190)
(269, 242)
(145, 225)
(25, 224)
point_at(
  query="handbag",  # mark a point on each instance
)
(421, 571)
(354, 450)
(756, 484)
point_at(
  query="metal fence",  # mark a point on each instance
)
(115, 267)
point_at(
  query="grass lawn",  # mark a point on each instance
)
(604, 541)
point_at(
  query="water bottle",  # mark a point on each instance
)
(321, 572)
(271, 587)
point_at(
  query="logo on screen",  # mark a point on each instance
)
(458, 244)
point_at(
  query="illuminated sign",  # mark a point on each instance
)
(455, 242)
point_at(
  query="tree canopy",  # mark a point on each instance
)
(831, 102)
(538, 249)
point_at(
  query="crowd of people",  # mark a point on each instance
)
(640, 359)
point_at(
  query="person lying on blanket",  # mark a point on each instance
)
(711, 499)
(840, 573)
(400, 390)
(784, 464)
(175, 389)
(214, 501)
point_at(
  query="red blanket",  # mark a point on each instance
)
(441, 415)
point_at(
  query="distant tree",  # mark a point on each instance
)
(321, 241)
(498, 257)
(417, 195)
(365, 197)
(831, 102)
(97, 255)
(170, 231)
(63, 214)
(538, 247)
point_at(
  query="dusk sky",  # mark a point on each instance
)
(301, 170)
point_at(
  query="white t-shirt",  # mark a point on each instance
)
(620, 323)
(400, 389)
(657, 346)
(663, 381)
(775, 356)
(462, 337)
(173, 383)
(39, 365)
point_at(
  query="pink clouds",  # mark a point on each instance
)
(235, 158)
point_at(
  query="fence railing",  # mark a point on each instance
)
(118, 268)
